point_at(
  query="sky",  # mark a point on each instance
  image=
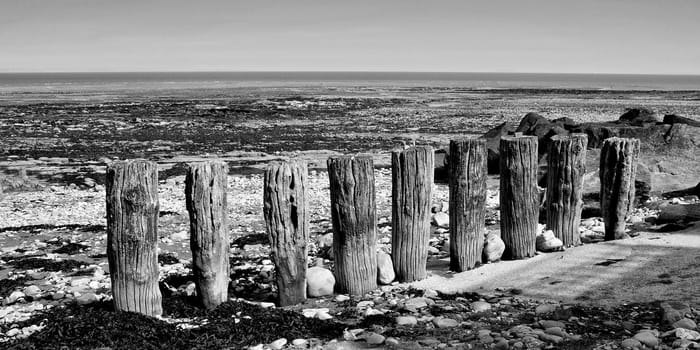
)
(549, 36)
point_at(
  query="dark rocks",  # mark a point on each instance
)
(493, 139)
(642, 184)
(639, 117)
(679, 213)
(676, 119)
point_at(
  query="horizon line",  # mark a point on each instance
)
(344, 71)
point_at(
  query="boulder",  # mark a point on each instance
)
(682, 136)
(639, 117)
(547, 242)
(440, 219)
(535, 124)
(385, 268)
(493, 248)
(642, 184)
(678, 213)
(319, 282)
(441, 173)
(493, 140)
(676, 119)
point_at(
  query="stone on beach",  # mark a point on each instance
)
(319, 282)
(547, 242)
(385, 268)
(493, 248)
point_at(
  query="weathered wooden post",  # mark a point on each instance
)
(412, 181)
(132, 237)
(467, 181)
(618, 168)
(353, 211)
(205, 194)
(519, 195)
(565, 169)
(287, 222)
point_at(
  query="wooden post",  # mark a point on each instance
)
(205, 193)
(618, 168)
(287, 222)
(519, 195)
(565, 169)
(467, 182)
(132, 237)
(353, 211)
(412, 181)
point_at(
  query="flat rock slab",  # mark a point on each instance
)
(651, 266)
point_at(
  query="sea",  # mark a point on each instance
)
(135, 81)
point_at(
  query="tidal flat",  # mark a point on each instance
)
(52, 133)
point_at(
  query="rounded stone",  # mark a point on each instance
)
(480, 306)
(406, 321)
(647, 338)
(319, 282)
(278, 344)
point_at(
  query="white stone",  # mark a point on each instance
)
(647, 338)
(180, 236)
(32, 291)
(441, 219)
(480, 306)
(299, 342)
(87, 298)
(406, 321)
(342, 297)
(385, 268)
(14, 296)
(278, 344)
(682, 333)
(493, 247)
(319, 282)
(548, 242)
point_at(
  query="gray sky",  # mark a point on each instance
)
(577, 36)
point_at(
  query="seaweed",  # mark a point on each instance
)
(227, 326)
(29, 263)
(8, 285)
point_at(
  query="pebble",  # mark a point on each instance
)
(341, 298)
(299, 342)
(406, 321)
(443, 322)
(545, 309)
(480, 306)
(682, 333)
(550, 324)
(551, 338)
(556, 331)
(414, 304)
(14, 296)
(32, 291)
(391, 341)
(682, 323)
(13, 332)
(374, 339)
(278, 344)
(647, 338)
(631, 343)
(87, 298)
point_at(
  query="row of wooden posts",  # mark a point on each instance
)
(132, 212)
